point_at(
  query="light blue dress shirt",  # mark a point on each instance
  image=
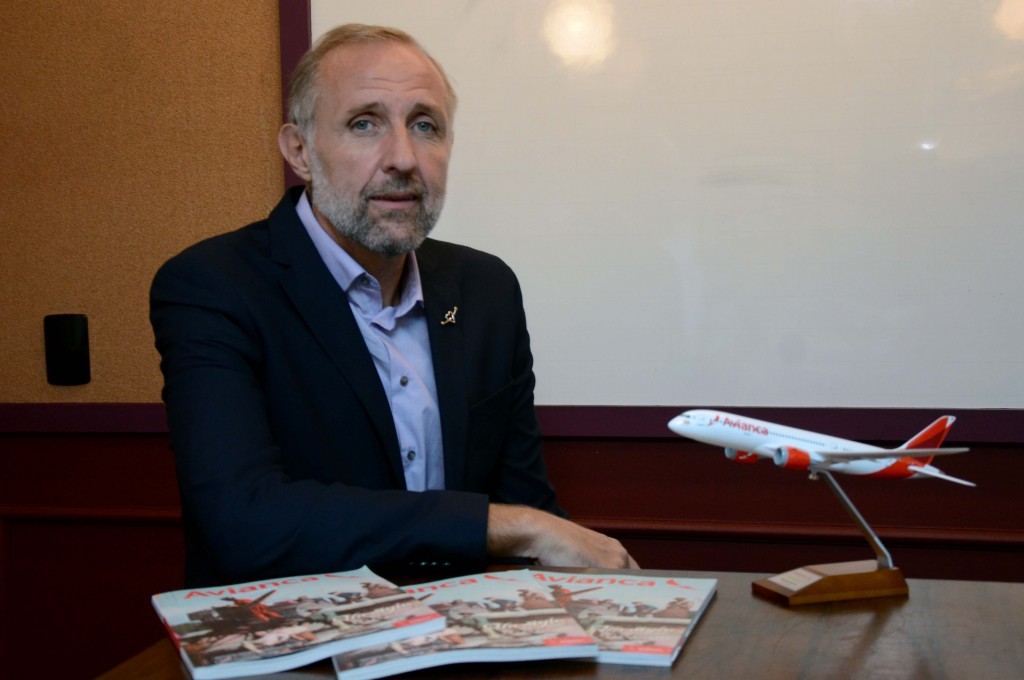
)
(398, 341)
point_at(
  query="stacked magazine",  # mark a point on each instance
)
(276, 625)
(501, 616)
(373, 629)
(634, 618)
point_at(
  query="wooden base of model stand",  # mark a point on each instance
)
(841, 580)
(832, 582)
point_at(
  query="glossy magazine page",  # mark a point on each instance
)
(501, 616)
(635, 619)
(280, 624)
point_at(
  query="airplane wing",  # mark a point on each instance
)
(932, 472)
(887, 453)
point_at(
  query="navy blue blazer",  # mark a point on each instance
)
(285, 447)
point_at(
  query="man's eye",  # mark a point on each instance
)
(362, 125)
(424, 126)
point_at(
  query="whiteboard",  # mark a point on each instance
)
(803, 203)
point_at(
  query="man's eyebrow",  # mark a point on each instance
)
(433, 110)
(369, 107)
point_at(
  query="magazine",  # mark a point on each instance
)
(498, 616)
(276, 625)
(635, 618)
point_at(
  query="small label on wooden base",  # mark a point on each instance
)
(832, 582)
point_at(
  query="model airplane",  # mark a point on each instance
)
(747, 440)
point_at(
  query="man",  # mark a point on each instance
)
(340, 389)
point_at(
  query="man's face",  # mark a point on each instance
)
(379, 146)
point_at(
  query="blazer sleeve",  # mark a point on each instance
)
(247, 513)
(523, 477)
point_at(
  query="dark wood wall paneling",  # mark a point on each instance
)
(89, 513)
(89, 529)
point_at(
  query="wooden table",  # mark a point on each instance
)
(945, 629)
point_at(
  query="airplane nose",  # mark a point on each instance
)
(678, 424)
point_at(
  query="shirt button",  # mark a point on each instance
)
(411, 456)
(404, 380)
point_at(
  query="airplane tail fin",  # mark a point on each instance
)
(931, 437)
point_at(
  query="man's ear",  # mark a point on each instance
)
(295, 151)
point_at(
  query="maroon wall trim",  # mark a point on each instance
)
(296, 35)
(82, 418)
(993, 426)
(74, 513)
(747, 531)
(294, 17)
(864, 424)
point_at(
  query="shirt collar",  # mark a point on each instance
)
(349, 273)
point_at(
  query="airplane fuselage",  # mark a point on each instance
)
(748, 439)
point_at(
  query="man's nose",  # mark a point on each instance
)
(399, 153)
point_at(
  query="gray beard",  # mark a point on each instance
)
(353, 221)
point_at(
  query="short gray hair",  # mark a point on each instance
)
(303, 89)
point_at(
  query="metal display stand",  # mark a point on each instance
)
(840, 580)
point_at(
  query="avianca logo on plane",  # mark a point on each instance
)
(746, 427)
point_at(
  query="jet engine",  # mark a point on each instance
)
(740, 456)
(789, 457)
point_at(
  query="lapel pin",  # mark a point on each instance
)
(449, 316)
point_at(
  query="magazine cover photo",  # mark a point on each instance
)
(490, 617)
(249, 625)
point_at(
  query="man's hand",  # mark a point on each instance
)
(518, 531)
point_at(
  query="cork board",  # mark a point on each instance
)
(130, 130)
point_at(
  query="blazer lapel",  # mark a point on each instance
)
(440, 297)
(325, 310)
